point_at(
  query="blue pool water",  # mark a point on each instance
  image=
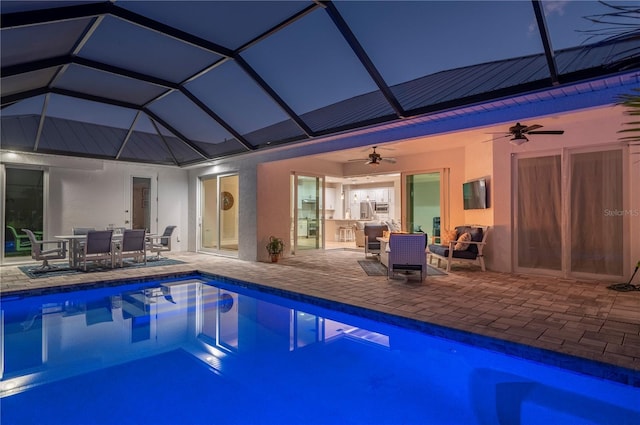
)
(198, 350)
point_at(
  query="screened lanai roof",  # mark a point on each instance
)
(183, 82)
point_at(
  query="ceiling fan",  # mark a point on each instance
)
(519, 133)
(375, 159)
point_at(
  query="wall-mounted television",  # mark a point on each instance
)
(474, 194)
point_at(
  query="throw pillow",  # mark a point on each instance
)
(461, 245)
(448, 236)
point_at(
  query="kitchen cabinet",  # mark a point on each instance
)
(330, 198)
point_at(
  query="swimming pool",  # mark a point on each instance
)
(194, 349)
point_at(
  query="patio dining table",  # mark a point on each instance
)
(75, 245)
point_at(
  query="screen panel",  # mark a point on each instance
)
(134, 48)
(35, 42)
(310, 65)
(408, 40)
(237, 99)
(227, 23)
(82, 79)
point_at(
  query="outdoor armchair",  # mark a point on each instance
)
(160, 243)
(407, 253)
(462, 248)
(21, 242)
(371, 234)
(40, 253)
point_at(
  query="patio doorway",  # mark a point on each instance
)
(141, 203)
(307, 212)
(23, 209)
(219, 214)
(423, 200)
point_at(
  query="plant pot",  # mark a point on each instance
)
(274, 258)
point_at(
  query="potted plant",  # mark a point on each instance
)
(275, 247)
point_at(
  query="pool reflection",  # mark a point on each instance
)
(50, 338)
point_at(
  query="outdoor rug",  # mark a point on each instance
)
(375, 268)
(64, 270)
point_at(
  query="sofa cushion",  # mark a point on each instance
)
(372, 246)
(443, 251)
(448, 236)
(476, 236)
(462, 244)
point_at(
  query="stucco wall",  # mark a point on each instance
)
(95, 193)
(274, 197)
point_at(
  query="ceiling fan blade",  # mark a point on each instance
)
(389, 160)
(504, 136)
(531, 127)
(546, 132)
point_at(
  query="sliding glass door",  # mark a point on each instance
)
(423, 199)
(307, 212)
(219, 216)
(569, 210)
(23, 209)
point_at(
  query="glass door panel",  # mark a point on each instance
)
(141, 203)
(24, 209)
(219, 218)
(597, 221)
(308, 212)
(209, 220)
(228, 227)
(423, 212)
(539, 213)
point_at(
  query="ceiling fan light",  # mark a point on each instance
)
(519, 140)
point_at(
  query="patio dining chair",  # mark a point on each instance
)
(40, 253)
(133, 245)
(97, 248)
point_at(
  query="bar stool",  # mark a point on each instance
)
(346, 234)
